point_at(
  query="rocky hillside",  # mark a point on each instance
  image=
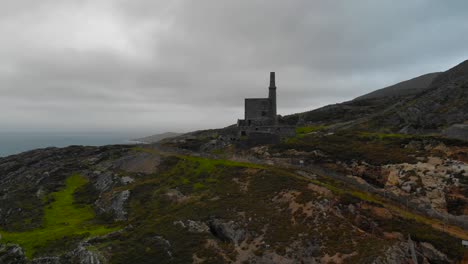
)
(442, 105)
(402, 89)
(363, 106)
(345, 203)
(428, 104)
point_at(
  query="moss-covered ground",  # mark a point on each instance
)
(304, 130)
(64, 222)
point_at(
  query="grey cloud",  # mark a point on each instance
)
(163, 65)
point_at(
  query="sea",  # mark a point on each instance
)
(16, 142)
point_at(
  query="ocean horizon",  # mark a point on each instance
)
(12, 143)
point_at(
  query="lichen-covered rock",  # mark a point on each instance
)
(115, 206)
(432, 254)
(397, 253)
(13, 254)
(175, 195)
(49, 260)
(83, 255)
(118, 205)
(127, 180)
(193, 226)
(104, 181)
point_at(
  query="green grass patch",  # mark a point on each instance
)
(198, 186)
(62, 219)
(308, 129)
(206, 165)
(190, 173)
(385, 136)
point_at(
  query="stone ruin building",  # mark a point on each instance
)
(261, 120)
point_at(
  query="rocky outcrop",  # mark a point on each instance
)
(115, 206)
(193, 226)
(104, 181)
(401, 252)
(441, 105)
(118, 205)
(83, 255)
(227, 231)
(163, 243)
(432, 254)
(50, 260)
(146, 163)
(12, 254)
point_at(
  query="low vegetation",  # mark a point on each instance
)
(301, 131)
(375, 148)
(247, 194)
(63, 222)
(288, 211)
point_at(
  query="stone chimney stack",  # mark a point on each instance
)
(272, 80)
(272, 97)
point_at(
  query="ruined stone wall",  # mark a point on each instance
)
(258, 112)
(282, 131)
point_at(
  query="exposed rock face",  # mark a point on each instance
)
(12, 254)
(164, 244)
(397, 253)
(175, 195)
(49, 260)
(127, 180)
(105, 181)
(227, 231)
(82, 255)
(140, 162)
(428, 181)
(194, 226)
(400, 252)
(441, 105)
(116, 205)
(431, 253)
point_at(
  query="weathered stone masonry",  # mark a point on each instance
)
(261, 116)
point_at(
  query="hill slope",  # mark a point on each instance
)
(413, 106)
(157, 137)
(443, 104)
(365, 105)
(189, 209)
(405, 88)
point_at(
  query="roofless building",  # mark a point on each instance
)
(261, 116)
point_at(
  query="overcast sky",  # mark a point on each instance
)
(145, 66)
